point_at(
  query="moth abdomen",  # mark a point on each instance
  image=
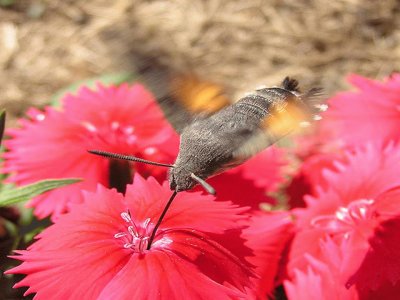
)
(254, 105)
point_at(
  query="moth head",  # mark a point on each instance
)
(180, 179)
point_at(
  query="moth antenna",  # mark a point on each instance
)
(290, 84)
(164, 212)
(204, 184)
(128, 157)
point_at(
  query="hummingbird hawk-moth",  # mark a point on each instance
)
(215, 142)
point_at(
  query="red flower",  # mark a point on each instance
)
(369, 114)
(250, 183)
(361, 259)
(310, 177)
(54, 144)
(265, 168)
(99, 249)
(322, 278)
(362, 174)
(379, 271)
(355, 212)
(268, 235)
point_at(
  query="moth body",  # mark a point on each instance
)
(213, 144)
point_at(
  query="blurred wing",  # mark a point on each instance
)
(257, 142)
(273, 128)
(184, 98)
(198, 96)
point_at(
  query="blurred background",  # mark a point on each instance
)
(47, 45)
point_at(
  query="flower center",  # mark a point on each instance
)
(137, 235)
(357, 216)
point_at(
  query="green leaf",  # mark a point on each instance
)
(2, 123)
(106, 79)
(9, 197)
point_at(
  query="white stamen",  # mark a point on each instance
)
(126, 217)
(146, 223)
(132, 231)
(136, 237)
(317, 117)
(342, 213)
(120, 234)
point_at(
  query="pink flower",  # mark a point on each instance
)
(266, 168)
(372, 113)
(54, 144)
(379, 271)
(310, 177)
(99, 249)
(352, 211)
(363, 173)
(322, 278)
(250, 183)
(361, 258)
(354, 180)
(268, 235)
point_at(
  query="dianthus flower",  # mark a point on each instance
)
(317, 151)
(359, 212)
(322, 278)
(250, 183)
(54, 143)
(310, 177)
(359, 253)
(371, 113)
(268, 235)
(99, 250)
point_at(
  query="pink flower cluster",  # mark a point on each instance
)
(339, 237)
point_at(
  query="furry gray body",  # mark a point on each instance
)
(210, 145)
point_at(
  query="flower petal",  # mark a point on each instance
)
(54, 144)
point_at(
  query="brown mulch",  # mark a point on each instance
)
(47, 45)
